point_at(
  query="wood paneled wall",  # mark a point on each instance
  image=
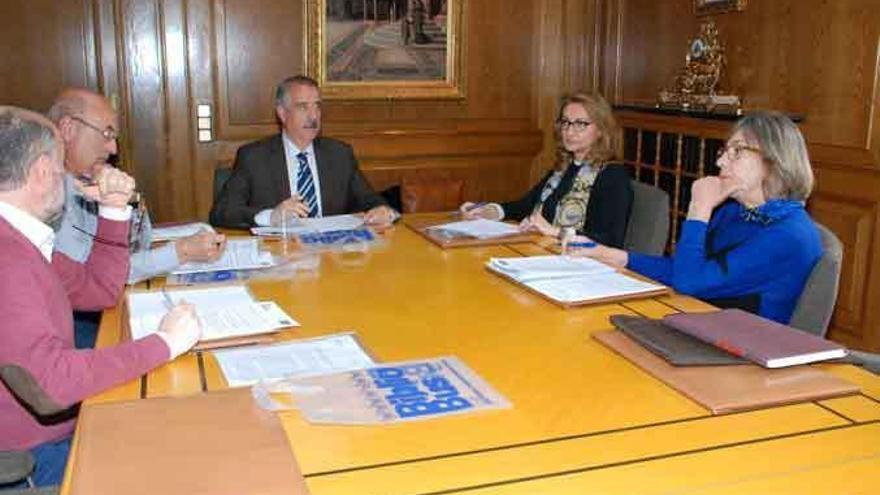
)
(45, 45)
(158, 59)
(810, 57)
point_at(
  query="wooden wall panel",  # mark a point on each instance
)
(260, 42)
(46, 45)
(811, 57)
(568, 52)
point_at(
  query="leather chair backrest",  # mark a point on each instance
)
(437, 194)
(816, 303)
(648, 227)
(221, 175)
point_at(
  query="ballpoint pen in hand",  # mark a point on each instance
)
(167, 299)
(588, 244)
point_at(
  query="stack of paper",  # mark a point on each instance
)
(592, 288)
(174, 232)
(225, 312)
(571, 281)
(330, 354)
(306, 225)
(478, 229)
(524, 269)
(240, 254)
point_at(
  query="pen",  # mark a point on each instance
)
(167, 299)
(581, 244)
(476, 205)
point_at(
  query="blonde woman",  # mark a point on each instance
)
(586, 191)
(747, 242)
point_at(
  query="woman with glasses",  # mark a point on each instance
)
(747, 241)
(585, 192)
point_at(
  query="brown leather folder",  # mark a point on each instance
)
(725, 389)
(214, 443)
(420, 224)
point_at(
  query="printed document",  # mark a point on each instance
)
(224, 312)
(480, 229)
(591, 287)
(174, 232)
(330, 354)
(307, 225)
(240, 254)
(523, 269)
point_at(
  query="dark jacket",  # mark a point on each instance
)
(608, 209)
(259, 181)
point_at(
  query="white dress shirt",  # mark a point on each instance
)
(38, 233)
(264, 217)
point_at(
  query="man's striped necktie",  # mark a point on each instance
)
(305, 185)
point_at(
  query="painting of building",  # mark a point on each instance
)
(386, 40)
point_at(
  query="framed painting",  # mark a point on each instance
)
(386, 49)
(706, 7)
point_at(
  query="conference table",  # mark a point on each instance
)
(583, 419)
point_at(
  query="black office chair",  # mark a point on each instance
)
(17, 466)
(648, 227)
(221, 175)
(816, 303)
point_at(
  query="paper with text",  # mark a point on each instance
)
(306, 225)
(174, 232)
(224, 312)
(589, 287)
(330, 354)
(479, 229)
(240, 254)
(529, 268)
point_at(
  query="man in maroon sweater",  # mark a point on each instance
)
(36, 330)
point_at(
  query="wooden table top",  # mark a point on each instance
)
(583, 418)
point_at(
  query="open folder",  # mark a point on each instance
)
(229, 314)
(573, 281)
(438, 230)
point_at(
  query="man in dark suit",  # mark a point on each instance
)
(296, 172)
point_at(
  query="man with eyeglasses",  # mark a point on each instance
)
(296, 173)
(36, 337)
(88, 126)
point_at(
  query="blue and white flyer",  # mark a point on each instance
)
(389, 393)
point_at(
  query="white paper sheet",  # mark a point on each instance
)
(576, 289)
(224, 312)
(175, 232)
(479, 228)
(529, 268)
(306, 225)
(330, 354)
(240, 254)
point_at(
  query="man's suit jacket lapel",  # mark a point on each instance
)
(278, 164)
(325, 176)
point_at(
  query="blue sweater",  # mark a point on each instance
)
(766, 253)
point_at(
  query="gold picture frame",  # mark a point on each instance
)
(707, 7)
(386, 49)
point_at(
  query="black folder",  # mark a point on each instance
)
(677, 348)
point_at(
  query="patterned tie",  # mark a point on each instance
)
(305, 185)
